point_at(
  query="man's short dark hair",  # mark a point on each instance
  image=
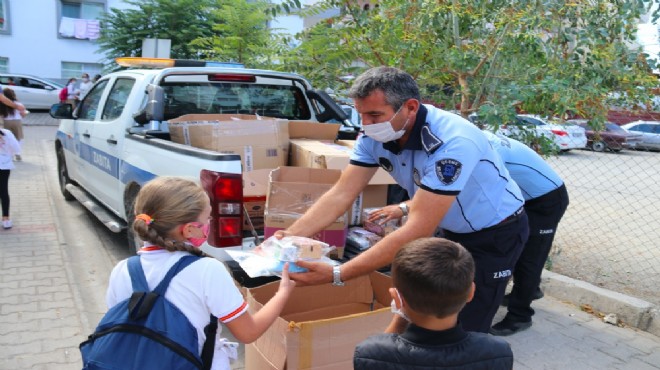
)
(397, 85)
(434, 276)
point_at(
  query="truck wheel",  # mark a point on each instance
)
(134, 241)
(598, 146)
(63, 175)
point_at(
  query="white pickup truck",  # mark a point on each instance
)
(117, 137)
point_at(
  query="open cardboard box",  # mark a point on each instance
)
(320, 325)
(261, 142)
(291, 192)
(336, 155)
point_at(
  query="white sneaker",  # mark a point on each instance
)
(6, 224)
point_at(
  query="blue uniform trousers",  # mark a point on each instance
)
(495, 251)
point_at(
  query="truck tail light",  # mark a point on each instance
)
(225, 191)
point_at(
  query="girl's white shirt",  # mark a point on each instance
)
(201, 289)
(16, 115)
(8, 148)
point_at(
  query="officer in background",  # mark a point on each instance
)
(455, 180)
(546, 200)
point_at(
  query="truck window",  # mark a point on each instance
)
(90, 104)
(280, 101)
(117, 98)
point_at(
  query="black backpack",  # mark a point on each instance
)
(147, 331)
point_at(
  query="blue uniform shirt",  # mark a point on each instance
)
(533, 175)
(445, 154)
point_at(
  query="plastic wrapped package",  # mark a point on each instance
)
(269, 257)
(377, 227)
(361, 239)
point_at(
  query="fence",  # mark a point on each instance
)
(610, 234)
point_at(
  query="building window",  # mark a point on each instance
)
(75, 69)
(80, 18)
(4, 65)
(4, 17)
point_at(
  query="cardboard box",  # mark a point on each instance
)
(320, 325)
(291, 192)
(336, 155)
(262, 143)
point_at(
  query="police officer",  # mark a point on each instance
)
(455, 180)
(546, 200)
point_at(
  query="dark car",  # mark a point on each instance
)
(612, 137)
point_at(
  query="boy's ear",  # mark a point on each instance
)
(471, 295)
(397, 300)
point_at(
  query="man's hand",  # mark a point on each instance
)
(319, 273)
(279, 234)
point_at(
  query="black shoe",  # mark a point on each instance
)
(538, 294)
(509, 327)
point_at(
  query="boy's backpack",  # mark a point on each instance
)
(147, 331)
(64, 93)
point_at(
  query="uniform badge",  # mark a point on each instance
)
(416, 178)
(448, 170)
(386, 164)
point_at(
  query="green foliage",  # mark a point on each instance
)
(182, 21)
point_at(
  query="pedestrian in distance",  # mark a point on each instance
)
(8, 148)
(172, 218)
(13, 119)
(85, 85)
(71, 92)
(6, 102)
(432, 279)
(455, 179)
(546, 200)
(96, 78)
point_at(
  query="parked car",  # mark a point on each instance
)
(33, 92)
(650, 131)
(564, 136)
(612, 137)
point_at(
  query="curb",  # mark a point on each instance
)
(632, 311)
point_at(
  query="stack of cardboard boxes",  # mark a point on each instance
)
(288, 165)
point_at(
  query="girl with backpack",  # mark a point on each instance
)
(173, 216)
(8, 147)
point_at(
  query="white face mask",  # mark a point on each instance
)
(383, 131)
(397, 310)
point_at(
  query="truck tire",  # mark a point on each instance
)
(63, 175)
(134, 241)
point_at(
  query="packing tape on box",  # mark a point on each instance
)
(247, 155)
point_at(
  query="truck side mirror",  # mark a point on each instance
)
(330, 108)
(61, 111)
(154, 110)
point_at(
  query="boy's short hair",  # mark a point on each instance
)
(434, 276)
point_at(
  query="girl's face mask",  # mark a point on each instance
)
(383, 131)
(197, 242)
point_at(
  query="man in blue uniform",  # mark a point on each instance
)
(546, 200)
(454, 177)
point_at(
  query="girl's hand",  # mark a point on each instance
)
(286, 284)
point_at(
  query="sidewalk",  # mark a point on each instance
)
(42, 322)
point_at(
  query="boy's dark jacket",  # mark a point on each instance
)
(419, 348)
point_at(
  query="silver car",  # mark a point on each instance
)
(650, 131)
(33, 92)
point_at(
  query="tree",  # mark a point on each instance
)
(181, 21)
(240, 34)
(495, 56)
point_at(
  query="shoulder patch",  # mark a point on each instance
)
(448, 170)
(386, 164)
(430, 142)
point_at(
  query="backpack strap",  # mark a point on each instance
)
(142, 300)
(209, 344)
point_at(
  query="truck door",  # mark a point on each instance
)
(82, 131)
(108, 137)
